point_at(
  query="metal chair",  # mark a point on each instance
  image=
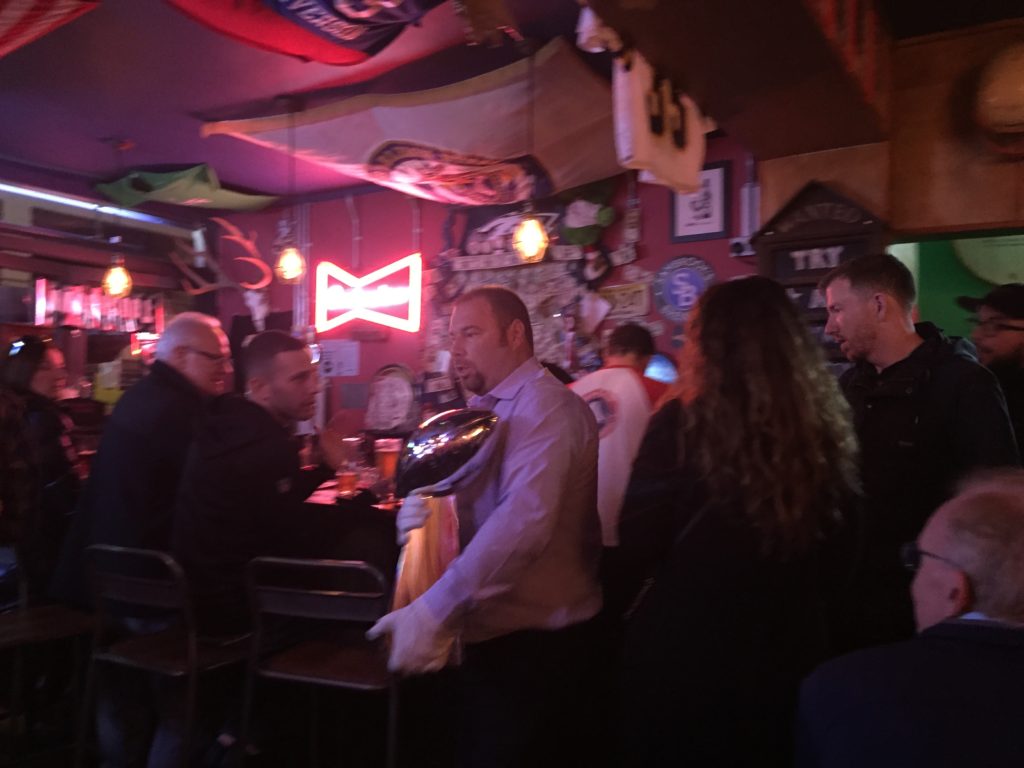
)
(150, 586)
(26, 627)
(336, 592)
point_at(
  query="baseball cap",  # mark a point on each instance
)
(1007, 299)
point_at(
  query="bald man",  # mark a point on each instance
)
(952, 695)
(129, 498)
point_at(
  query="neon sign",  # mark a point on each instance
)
(341, 297)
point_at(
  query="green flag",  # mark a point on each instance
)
(196, 187)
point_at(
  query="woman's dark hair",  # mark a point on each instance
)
(24, 356)
(766, 425)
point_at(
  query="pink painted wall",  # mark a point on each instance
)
(386, 222)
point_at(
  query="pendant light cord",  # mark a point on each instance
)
(291, 169)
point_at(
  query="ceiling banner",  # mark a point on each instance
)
(464, 143)
(364, 25)
(22, 21)
(197, 187)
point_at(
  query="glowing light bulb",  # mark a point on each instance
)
(530, 239)
(117, 281)
(290, 265)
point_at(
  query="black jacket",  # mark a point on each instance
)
(948, 698)
(55, 488)
(923, 423)
(1011, 379)
(241, 497)
(129, 497)
(716, 647)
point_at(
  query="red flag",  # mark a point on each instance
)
(22, 21)
(253, 22)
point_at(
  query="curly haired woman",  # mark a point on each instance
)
(736, 512)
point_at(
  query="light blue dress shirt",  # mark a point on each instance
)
(528, 522)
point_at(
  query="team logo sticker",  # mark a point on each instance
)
(679, 285)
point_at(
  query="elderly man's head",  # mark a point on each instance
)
(970, 555)
(196, 346)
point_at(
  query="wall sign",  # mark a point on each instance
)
(390, 296)
(679, 285)
(814, 233)
(339, 357)
(629, 300)
(704, 214)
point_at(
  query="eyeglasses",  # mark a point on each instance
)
(911, 554)
(992, 326)
(209, 355)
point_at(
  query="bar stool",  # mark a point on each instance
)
(149, 585)
(340, 592)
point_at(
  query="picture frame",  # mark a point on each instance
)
(702, 215)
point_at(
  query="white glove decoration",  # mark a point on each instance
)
(418, 641)
(414, 513)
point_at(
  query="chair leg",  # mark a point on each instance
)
(85, 709)
(392, 744)
(248, 701)
(190, 715)
(314, 722)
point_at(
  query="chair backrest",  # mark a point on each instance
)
(137, 582)
(334, 590)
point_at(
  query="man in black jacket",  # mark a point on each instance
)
(926, 413)
(999, 337)
(129, 498)
(128, 501)
(952, 695)
(242, 490)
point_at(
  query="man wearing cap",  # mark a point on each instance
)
(999, 336)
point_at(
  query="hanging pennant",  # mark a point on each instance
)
(23, 21)
(463, 143)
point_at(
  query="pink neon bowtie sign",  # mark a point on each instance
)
(348, 297)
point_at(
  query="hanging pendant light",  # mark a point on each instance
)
(530, 238)
(117, 281)
(291, 265)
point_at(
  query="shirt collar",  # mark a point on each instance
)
(509, 387)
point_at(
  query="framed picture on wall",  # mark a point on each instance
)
(704, 214)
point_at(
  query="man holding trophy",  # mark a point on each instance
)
(523, 594)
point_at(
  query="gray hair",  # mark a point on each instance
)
(183, 330)
(986, 533)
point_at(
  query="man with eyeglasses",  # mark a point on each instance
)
(999, 336)
(129, 501)
(952, 695)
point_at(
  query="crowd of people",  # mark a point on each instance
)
(759, 565)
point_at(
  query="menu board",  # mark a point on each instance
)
(814, 233)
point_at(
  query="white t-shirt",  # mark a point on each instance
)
(618, 399)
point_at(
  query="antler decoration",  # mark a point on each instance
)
(195, 284)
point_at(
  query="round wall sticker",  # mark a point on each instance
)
(679, 284)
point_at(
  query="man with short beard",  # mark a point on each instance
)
(523, 595)
(926, 413)
(999, 336)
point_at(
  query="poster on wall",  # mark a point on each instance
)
(679, 285)
(704, 214)
(631, 300)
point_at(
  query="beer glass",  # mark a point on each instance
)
(385, 454)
